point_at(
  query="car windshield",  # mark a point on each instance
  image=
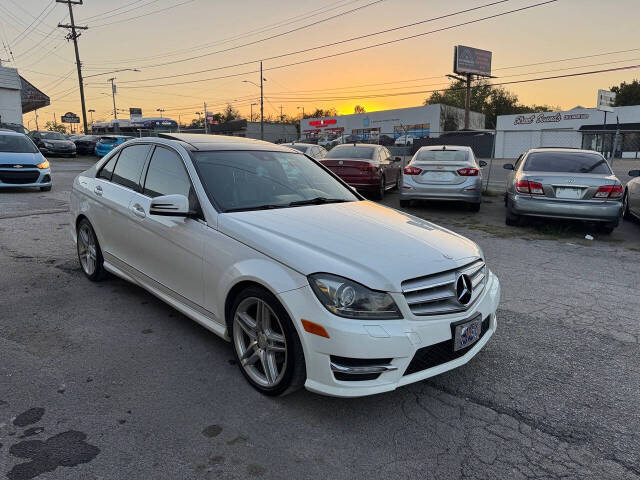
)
(253, 180)
(52, 136)
(16, 144)
(442, 156)
(351, 151)
(566, 162)
(302, 148)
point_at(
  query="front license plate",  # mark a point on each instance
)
(566, 192)
(466, 334)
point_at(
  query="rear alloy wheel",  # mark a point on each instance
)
(89, 252)
(266, 343)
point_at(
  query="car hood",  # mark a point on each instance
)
(10, 158)
(62, 143)
(366, 242)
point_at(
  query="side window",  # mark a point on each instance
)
(166, 175)
(129, 166)
(107, 170)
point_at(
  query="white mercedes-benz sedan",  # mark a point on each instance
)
(312, 284)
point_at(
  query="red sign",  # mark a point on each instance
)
(322, 123)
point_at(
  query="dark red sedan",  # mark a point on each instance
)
(369, 168)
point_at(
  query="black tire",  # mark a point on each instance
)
(397, 185)
(626, 213)
(295, 370)
(474, 207)
(512, 219)
(405, 203)
(45, 189)
(99, 272)
(607, 228)
(379, 194)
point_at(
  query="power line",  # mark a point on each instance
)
(272, 26)
(100, 25)
(37, 20)
(101, 15)
(346, 52)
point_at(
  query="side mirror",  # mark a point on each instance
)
(508, 166)
(170, 206)
(482, 163)
(634, 173)
(397, 159)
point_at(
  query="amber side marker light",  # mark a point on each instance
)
(314, 328)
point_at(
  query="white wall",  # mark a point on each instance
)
(10, 106)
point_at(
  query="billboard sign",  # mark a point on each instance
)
(135, 113)
(606, 100)
(468, 60)
(70, 117)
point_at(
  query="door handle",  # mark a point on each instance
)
(98, 190)
(138, 211)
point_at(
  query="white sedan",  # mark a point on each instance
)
(314, 151)
(313, 285)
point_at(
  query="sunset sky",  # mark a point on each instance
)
(145, 34)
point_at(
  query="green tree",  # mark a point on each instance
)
(359, 109)
(230, 113)
(55, 127)
(627, 93)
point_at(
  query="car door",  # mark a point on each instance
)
(633, 189)
(171, 248)
(112, 189)
(390, 166)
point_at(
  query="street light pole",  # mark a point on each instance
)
(161, 110)
(91, 111)
(261, 105)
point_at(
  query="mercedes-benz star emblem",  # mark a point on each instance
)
(464, 289)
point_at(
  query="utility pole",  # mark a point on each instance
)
(205, 118)
(73, 35)
(467, 103)
(37, 128)
(113, 94)
(261, 105)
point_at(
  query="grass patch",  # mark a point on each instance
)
(492, 193)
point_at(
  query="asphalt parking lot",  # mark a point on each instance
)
(103, 381)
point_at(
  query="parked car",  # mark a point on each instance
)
(563, 183)
(314, 151)
(368, 168)
(14, 127)
(21, 163)
(108, 143)
(86, 144)
(404, 140)
(264, 247)
(386, 140)
(53, 143)
(442, 172)
(631, 199)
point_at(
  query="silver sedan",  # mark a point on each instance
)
(563, 183)
(632, 196)
(442, 172)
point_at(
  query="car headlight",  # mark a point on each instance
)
(47, 144)
(44, 164)
(349, 299)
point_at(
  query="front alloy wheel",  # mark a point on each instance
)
(89, 252)
(267, 347)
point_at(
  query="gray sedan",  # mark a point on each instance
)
(564, 183)
(443, 172)
(632, 196)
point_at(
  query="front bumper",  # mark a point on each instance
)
(53, 152)
(468, 191)
(589, 210)
(25, 177)
(397, 340)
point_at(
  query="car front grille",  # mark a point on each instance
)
(436, 294)
(439, 353)
(19, 177)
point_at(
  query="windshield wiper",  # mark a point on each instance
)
(317, 201)
(258, 207)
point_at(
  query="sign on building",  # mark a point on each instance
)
(471, 60)
(70, 117)
(606, 100)
(135, 113)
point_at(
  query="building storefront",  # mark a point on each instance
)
(577, 128)
(425, 121)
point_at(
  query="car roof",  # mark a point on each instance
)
(195, 141)
(562, 149)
